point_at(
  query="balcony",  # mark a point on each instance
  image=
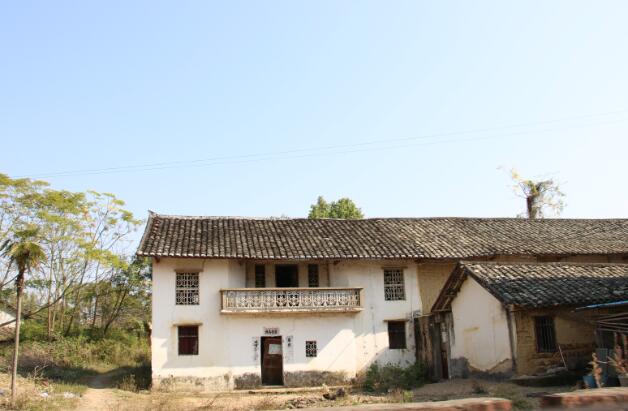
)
(291, 300)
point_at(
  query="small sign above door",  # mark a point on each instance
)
(271, 331)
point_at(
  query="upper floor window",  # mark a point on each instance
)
(260, 276)
(312, 275)
(545, 334)
(394, 287)
(187, 289)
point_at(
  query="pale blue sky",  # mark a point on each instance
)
(448, 90)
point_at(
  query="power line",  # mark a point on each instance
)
(335, 149)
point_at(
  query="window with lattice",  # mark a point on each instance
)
(312, 275)
(260, 276)
(394, 287)
(545, 334)
(187, 289)
(310, 349)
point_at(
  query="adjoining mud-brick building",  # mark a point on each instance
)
(243, 302)
(523, 318)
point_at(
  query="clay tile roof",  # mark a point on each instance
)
(378, 238)
(541, 284)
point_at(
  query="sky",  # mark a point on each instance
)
(255, 108)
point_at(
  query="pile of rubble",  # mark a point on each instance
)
(304, 402)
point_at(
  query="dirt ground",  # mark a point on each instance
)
(100, 395)
(97, 399)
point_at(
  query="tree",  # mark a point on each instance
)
(343, 208)
(24, 252)
(85, 237)
(123, 299)
(319, 210)
(541, 196)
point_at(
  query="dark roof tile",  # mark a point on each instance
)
(438, 238)
(541, 284)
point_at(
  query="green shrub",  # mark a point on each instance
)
(392, 376)
(134, 378)
(33, 331)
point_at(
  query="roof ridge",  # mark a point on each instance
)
(458, 218)
(467, 263)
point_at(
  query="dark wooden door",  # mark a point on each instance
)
(272, 361)
(437, 358)
(287, 275)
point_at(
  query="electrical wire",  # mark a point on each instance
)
(339, 149)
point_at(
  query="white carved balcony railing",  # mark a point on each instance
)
(290, 300)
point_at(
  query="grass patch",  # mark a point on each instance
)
(40, 395)
(74, 359)
(393, 377)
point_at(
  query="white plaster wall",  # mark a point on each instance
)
(210, 361)
(333, 334)
(480, 328)
(371, 326)
(346, 342)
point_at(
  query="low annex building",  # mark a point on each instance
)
(521, 318)
(243, 302)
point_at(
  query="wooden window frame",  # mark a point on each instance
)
(545, 334)
(313, 275)
(260, 275)
(192, 336)
(397, 335)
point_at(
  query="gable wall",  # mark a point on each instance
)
(480, 340)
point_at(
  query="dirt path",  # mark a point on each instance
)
(100, 396)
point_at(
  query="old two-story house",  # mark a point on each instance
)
(244, 302)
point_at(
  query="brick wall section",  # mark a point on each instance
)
(575, 337)
(432, 277)
(606, 397)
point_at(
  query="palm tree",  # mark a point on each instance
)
(23, 251)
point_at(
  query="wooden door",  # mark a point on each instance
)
(272, 361)
(437, 358)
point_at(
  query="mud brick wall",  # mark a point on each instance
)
(574, 334)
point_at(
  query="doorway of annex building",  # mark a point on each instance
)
(272, 361)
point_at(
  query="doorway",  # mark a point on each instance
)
(287, 275)
(272, 361)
